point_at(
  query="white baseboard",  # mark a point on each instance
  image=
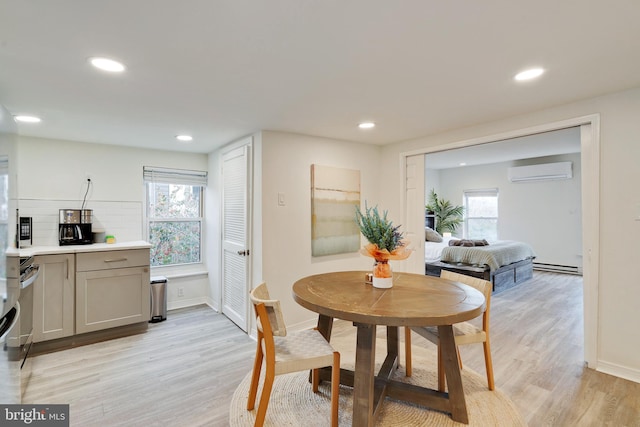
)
(619, 371)
(307, 324)
(211, 303)
(182, 303)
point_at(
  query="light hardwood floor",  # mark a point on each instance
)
(183, 372)
(538, 357)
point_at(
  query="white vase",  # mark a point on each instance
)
(382, 282)
(382, 274)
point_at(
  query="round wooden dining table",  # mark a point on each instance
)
(413, 300)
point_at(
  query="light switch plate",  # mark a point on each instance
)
(280, 199)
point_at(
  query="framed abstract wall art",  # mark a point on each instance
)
(335, 193)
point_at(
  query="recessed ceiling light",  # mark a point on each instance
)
(27, 119)
(529, 74)
(107, 64)
(366, 125)
(184, 138)
(463, 164)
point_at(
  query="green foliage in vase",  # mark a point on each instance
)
(378, 229)
(448, 217)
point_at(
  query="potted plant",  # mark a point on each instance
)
(385, 243)
(447, 216)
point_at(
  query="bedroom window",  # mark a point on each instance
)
(174, 211)
(481, 214)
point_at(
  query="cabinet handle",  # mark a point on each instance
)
(115, 260)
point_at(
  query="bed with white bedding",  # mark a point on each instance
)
(504, 263)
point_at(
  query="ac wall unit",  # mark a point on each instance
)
(541, 172)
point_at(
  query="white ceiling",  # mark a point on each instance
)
(562, 141)
(222, 69)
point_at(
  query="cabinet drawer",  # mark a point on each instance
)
(90, 261)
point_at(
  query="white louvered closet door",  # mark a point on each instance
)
(235, 234)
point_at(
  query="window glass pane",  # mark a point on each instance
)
(482, 206)
(174, 242)
(481, 214)
(482, 228)
(174, 201)
(174, 214)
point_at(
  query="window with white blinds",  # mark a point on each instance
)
(174, 176)
(481, 214)
(175, 211)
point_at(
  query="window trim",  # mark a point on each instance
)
(155, 175)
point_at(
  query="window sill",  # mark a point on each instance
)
(181, 271)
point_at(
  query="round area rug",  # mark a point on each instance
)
(293, 403)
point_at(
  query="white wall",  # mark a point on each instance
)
(431, 181)
(544, 214)
(618, 340)
(52, 175)
(116, 171)
(286, 230)
(8, 148)
(213, 232)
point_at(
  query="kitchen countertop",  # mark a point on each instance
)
(73, 249)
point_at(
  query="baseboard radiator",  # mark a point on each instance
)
(557, 268)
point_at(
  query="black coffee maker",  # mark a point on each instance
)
(75, 227)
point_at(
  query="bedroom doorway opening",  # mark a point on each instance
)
(585, 203)
(539, 211)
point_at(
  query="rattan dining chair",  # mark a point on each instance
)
(285, 353)
(464, 333)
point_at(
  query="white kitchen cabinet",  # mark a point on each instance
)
(112, 289)
(53, 297)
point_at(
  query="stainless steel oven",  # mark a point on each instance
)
(17, 337)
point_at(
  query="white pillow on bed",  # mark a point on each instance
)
(431, 235)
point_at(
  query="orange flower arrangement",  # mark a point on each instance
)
(382, 256)
(385, 241)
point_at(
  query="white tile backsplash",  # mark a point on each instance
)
(119, 218)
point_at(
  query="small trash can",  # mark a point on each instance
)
(158, 299)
